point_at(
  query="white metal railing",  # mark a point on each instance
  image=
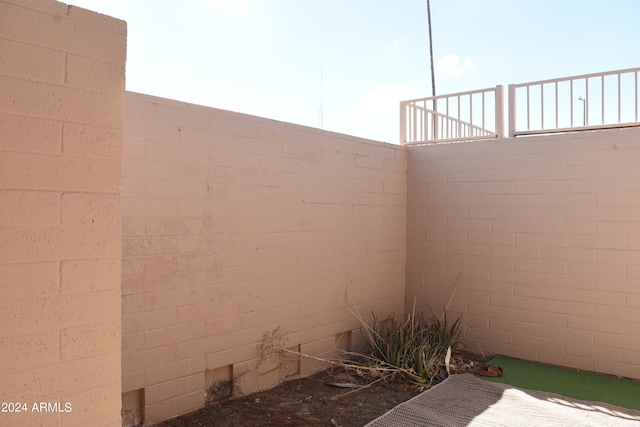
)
(456, 117)
(568, 104)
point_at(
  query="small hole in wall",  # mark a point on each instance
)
(220, 384)
(357, 343)
(343, 343)
(132, 408)
(291, 365)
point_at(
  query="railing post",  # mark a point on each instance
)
(512, 111)
(499, 111)
(403, 123)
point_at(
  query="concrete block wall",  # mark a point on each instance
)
(536, 242)
(239, 232)
(61, 119)
(242, 233)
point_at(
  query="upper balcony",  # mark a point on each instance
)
(569, 104)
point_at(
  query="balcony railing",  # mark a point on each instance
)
(568, 104)
(456, 117)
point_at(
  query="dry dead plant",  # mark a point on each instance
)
(224, 389)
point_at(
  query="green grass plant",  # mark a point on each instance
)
(568, 382)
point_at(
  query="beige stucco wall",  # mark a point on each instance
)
(542, 235)
(235, 226)
(61, 119)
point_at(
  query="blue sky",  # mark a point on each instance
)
(264, 57)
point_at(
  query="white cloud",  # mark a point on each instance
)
(383, 101)
(452, 65)
(239, 6)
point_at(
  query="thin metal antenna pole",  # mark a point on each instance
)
(433, 77)
(321, 101)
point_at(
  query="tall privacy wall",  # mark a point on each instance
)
(242, 233)
(61, 118)
(536, 242)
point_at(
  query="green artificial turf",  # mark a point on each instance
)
(568, 382)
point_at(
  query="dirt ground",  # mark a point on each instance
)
(308, 402)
